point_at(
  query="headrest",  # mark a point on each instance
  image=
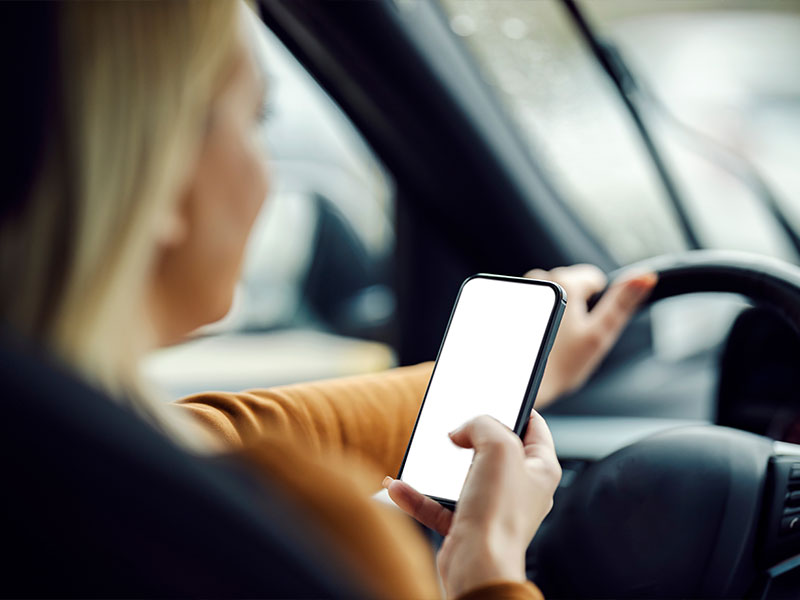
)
(28, 43)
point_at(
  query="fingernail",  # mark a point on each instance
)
(387, 481)
(648, 279)
(639, 287)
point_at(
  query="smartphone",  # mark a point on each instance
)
(491, 361)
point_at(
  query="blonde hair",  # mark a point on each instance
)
(136, 83)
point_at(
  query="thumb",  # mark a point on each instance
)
(480, 431)
(462, 436)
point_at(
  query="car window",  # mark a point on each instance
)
(569, 113)
(314, 299)
(725, 106)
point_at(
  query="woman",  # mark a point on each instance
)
(123, 229)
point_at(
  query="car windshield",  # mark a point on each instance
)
(724, 113)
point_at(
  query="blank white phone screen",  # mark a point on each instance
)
(484, 367)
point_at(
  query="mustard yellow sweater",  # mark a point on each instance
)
(330, 443)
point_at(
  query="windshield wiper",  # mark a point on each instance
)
(729, 160)
(626, 86)
(636, 95)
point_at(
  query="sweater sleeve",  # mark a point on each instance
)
(328, 444)
(504, 590)
(371, 416)
(381, 545)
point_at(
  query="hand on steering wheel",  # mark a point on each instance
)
(585, 337)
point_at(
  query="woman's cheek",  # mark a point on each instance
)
(259, 187)
(261, 174)
(251, 188)
(237, 188)
(252, 192)
(234, 203)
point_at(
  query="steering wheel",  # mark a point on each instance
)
(694, 512)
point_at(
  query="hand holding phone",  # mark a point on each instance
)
(508, 492)
(491, 361)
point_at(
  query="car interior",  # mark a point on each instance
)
(414, 169)
(678, 461)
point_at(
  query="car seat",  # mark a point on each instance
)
(98, 503)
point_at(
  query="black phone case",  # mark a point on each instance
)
(538, 369)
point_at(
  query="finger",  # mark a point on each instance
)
(425, 510)
(539, 446)
(584, 271)
(484, 432)
(538, 438)
(536, 274)
(538, 433)
(615, 308)
(580, 281)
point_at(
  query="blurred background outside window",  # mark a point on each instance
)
(724, 100)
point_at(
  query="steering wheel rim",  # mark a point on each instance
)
(766, 281)
(746, 480)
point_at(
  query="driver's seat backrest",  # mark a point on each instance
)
(98, 503)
